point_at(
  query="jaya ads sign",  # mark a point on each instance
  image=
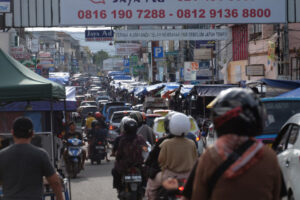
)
(131, 12)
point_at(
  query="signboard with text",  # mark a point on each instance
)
(4, 6)
(173, 34)
(99, 35)
(126, 49)
(129, 12)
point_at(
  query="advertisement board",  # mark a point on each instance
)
(202, 54)
(111, 64)
(173, 34)
(126, 49)
(99, 35)
(190, 71)
(143, 12)
(255, 70)
(4, 6)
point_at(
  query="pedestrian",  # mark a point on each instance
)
(238, 166)
(23, 166)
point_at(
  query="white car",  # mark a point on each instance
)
(287, 145)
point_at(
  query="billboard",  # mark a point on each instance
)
(143, 12)
(126, 49)
(99, 35)
(190, 71)
(173, 34)
(4, 6)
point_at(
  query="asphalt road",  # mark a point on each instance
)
(94, 183)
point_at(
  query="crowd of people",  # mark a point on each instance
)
(236, 166)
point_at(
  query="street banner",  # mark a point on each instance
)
(99, 35)
(4, 6)
(171, 34)
(145, 12)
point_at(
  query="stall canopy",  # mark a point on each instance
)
(291, 94)
(210, 90)
(285, 84)
(18, 83)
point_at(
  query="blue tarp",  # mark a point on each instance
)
(170, 86)
(291, 94)
(38, 106)
(186, 89)
(281, 83)
(154, 87)
(211, 90)
(139, 90)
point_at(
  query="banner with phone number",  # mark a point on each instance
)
(141, 12)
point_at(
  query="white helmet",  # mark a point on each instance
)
(179, 124)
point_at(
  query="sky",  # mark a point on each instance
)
(78, 34)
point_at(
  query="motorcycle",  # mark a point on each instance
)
(74, 157)
(132, 183)
(171, 189)
(98, 151)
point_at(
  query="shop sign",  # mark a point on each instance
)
(255, 70)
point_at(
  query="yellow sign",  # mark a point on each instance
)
(271, 51)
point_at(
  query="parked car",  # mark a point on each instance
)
(287, 146)
(276, 117)
(114, 124)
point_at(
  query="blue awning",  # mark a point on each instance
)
(285, 84)
(291, 94)
(186, 89)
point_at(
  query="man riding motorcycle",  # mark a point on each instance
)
(96, 133)
(128, 153)
(72, 133)
(177, 155)
(143, 129)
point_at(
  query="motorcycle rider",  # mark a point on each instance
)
(97, 132)
(253, 173)
(143, 129)
(72, 133)
(99, 117)
(177, 155)
(129, 152)
(88, 122)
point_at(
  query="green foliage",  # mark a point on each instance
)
(99, 57)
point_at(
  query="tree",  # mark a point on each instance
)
(99, 57)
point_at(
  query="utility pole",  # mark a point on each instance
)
(286, 49)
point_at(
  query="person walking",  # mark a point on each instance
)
(23, 166)
(238, 166)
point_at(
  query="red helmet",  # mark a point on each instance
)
(98, 115)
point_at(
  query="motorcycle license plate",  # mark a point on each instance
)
(100, 147)
(137, 179)
(133, 186)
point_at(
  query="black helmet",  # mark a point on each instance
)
(95, 123)
(238, 111)
(130, 126)
(138, 117)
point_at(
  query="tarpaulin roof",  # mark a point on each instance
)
(18, 83)
(186, 89)
(44, 105)
(281, 83)
(154, 87)
(291, 94)
(210, 90)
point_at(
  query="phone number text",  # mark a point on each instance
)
(180, 14)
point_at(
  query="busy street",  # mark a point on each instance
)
(149, 99)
